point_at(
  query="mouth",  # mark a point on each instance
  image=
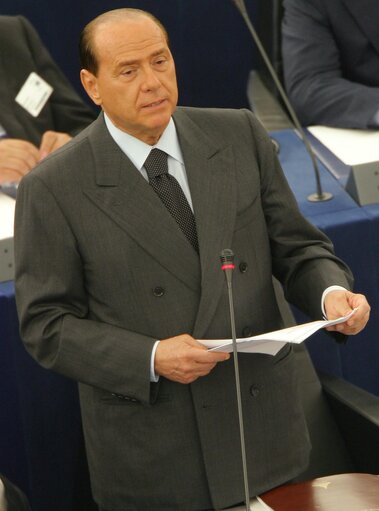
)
(155, 104)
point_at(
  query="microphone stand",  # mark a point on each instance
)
(320, 195)
(227, 260)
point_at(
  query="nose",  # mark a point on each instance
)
(150, 80)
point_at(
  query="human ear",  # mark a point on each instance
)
(89, 82)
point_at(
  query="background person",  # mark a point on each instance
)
(331, 61)
(25, 139)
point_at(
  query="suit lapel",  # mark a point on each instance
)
(366, 14)
(210, 172)
(126, 197)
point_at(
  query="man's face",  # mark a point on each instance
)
(136, 81)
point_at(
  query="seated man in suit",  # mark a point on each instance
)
(331, 61)
(39, 123)
(144, 200)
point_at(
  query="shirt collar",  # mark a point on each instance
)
(137, 151)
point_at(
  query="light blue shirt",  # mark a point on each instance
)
(137, 152)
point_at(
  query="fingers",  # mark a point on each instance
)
(17, 157)
(183, 359)
(341, 303)
(52, 140)
(359, 320)
(9, 176)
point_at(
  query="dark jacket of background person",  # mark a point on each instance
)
(21, 52)
(331, 61)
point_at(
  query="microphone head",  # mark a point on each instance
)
(227, 259)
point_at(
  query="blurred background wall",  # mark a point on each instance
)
(210, 43)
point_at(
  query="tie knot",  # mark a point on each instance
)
(156, 163)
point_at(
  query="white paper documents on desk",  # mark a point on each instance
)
(358, 150)
(352, 147)
(256, 504)
(7, 208)
(271, 342)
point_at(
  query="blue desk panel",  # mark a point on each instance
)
(354, 231)
(41, 442)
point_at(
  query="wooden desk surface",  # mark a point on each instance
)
(342, 492)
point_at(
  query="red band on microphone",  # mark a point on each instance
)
(227, 267)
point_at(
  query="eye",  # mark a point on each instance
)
(161, 62)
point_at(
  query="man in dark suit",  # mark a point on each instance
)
(331, 61)
(114, 291)
(24, 137)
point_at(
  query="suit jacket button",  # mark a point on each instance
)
(243, 267)
(247, 331)
(254, 390)
(158, 291)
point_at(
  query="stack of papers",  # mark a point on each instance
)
(351, 146)
(271, 342)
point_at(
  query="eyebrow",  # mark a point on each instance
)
(135, 61)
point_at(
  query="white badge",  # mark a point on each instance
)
(34, 94)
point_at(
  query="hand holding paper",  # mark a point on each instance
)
(271, 342)
(339, 303)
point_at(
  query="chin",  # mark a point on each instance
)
(159, 124)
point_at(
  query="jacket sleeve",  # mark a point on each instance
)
(303, 257)
(52, 303)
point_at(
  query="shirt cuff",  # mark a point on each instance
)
(328, 290)
(153, 377)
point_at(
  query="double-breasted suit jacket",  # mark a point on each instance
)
(331, 61)
(22, 52)
(103, 271)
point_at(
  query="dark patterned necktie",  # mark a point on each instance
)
(171, 194)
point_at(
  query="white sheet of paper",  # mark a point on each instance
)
(271, 342)
(263, 505)
(353, 147)
(256, 504)
(7, 208)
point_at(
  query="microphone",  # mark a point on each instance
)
(320, 195)
(227, 266)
